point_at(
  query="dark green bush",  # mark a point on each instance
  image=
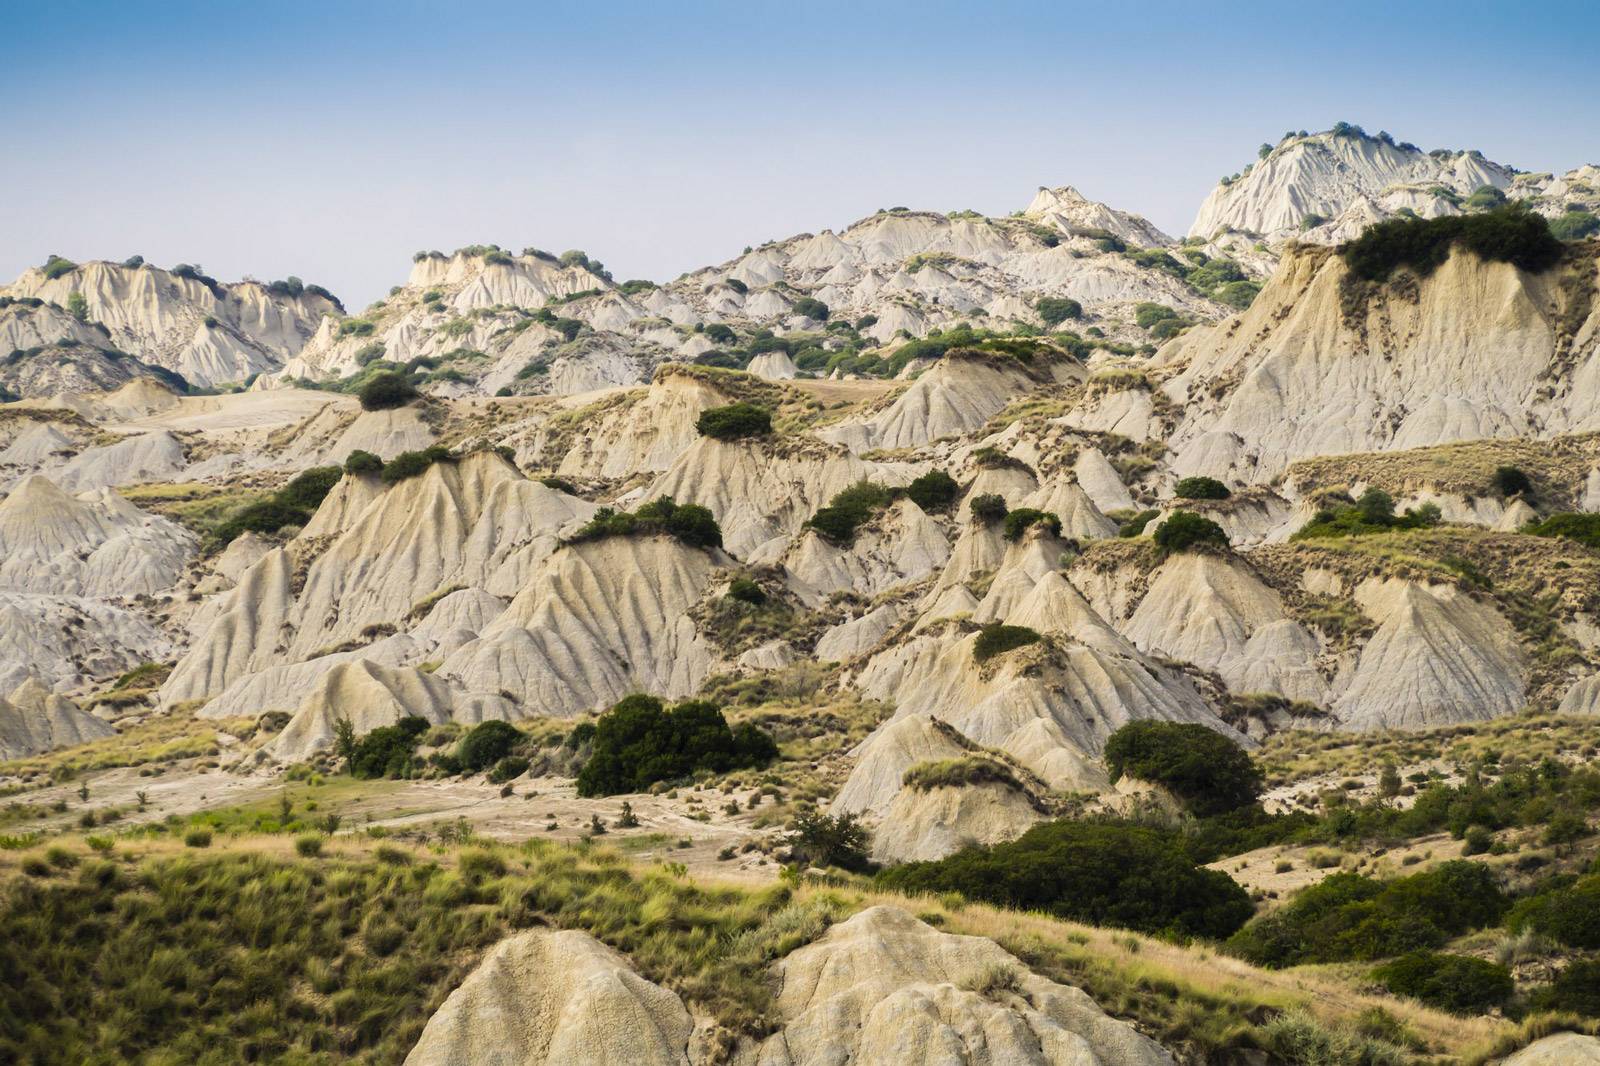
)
(720, 334)
(387, 390)
(1456, 983)
(735, 421)
(639, 742)
(1101, 872)
(747, 591)
(849, 510)
(264, 516)
(1568, 913)
(988, 508)
(1206, 770)
(689, 523)
(934, 491)
(310, 488)
(55, 266)
(411, 464)
(811, 308)
(507, 769)
(818, 839)
(995, 639)
(1576, 989)
(1350, 917)
(1201, 488)
(388, 750)
(1583, 528)
(1510, 481)
(1146, 315)
(1184, 530)
(1056, 310)
(362, 463)
(486, 744)
(1508, 234)
(1018, 522)
(1134, 526)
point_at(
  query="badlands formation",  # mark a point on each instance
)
(940, 503)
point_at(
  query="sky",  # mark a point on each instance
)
(331, 140)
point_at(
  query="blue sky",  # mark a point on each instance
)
(331, 140)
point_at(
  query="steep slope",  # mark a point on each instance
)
(51, 542)
(33, 719)
(205, 331)
(1320, 366)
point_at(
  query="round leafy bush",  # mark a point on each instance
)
(735, 421)
(1184, 530)
(719, 333)
(1206, 770)
(849, 510)
(639, 742)
(387, 751)
(827, 840)
(1055, 310)
(811, 308)
(1105, 873)
(994, 639)
(1201, 488)
(263, 516)
(1456, 983)
(410, 464)
(1018, 521)
(486, 744)
(309, 489)
(387, 389)
(1510, 481)
(362, 463)
(988, 508)
(934, 491)
(512, 766)
(747, 591)
(1575, 989)
(1568, 914)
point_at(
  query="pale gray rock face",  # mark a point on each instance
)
(546, 998)
(885, 988)
(209, 336)
(33, 719)
(65, 640)
(1562, 1049)
(100, 546)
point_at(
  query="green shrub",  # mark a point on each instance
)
(817, 839)
(959, 773)
(1201, 488)
(745, 590)
(689, 523)
(388, 750)
(386, 390)
(811, 308)
(264, 516)
(1185, 530)
(309, 488)
(1508, 234)
(1206, 770)
(411, 464)
(934, 491)
(1583, 528)
(720, 334)
(1456, 983)
(1055, 310)
(363, 463)
(1146, 315)
(1510, 481)
(508, 769)
(197, 838)
(1568, 913)
(735, 421)
(988, 508)
(849, 510)
(639, 742)
(1350, 917)
(1134, 526)
(486, 744)
(995, 639)
(308, 845)
(1106, 873)
(1018, 522)
(1575, 226)
(55, 266)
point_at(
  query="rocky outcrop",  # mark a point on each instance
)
(101, 546)
(1562, 1049)
(548, 998)
(884, 988)
(33, 720)
(66, 640)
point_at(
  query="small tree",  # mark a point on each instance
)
(1201, 488)
(735, 421)
(1055, 310)
(1206, 770)
(988, 508)
(1389, 781)
(386, 390)
(933, 491)
(344, 738)
(1184, 530)
(1509, 481)
(827, 840)
(362, 463)
(1376, 506)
